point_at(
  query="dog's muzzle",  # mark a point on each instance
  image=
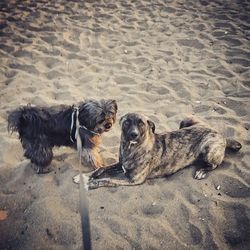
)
(108, 125)
(133, 135)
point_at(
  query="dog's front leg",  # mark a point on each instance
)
(86, 177)
(92, 158)
(112, 169)
(96, 158)
(111, 182)
(137, 179)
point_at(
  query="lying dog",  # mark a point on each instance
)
(42, 128)
(145, 154)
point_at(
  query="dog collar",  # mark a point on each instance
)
(77, 124)
(124, 169)
(132, 143)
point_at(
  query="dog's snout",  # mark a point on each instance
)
(108, 125)
(133, 135)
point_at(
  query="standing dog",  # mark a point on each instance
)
(42, 128)
(145, 154)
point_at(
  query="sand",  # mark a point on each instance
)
(165, 59)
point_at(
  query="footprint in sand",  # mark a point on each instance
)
(152, 210)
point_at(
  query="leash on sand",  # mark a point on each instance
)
(84, 205)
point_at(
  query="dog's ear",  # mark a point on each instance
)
(123, 118)
(114, 104)
(111, 104)
(151, 125)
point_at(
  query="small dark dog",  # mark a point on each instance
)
(42, 128)
(145, 154)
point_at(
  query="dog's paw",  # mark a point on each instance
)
(200, 174)
(76, 179)
(41, 170)
(96, 173)
(93, 184)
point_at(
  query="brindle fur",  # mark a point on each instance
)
(145, 154)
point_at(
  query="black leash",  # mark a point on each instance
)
(84, 205)
(84, 211)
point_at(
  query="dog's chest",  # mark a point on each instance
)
(96, 140)
(133, 156)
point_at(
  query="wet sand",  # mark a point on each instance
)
(165, 59)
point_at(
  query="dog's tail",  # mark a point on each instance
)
(233, 145)
(20, 118)
(15, 120)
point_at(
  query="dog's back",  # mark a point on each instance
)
(23, 118)
(191, 122)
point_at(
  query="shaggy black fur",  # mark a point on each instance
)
(42, 128)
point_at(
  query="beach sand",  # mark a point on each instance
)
(165, 59)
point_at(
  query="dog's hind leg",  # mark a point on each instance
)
(188, 122)
(42, 158)
(39, 153)
(213, 156)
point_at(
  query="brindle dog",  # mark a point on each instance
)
(145, 154)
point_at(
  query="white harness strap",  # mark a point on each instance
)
(72, 124)
(76, 111)
(77, 135)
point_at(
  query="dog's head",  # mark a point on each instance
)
(136, 128)
(98, 116)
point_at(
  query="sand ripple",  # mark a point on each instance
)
(166, 59)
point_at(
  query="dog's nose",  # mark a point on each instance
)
(108, 125)
(133, 135)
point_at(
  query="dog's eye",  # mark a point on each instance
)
(126, 123)
(141, 123)
(101, 121)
